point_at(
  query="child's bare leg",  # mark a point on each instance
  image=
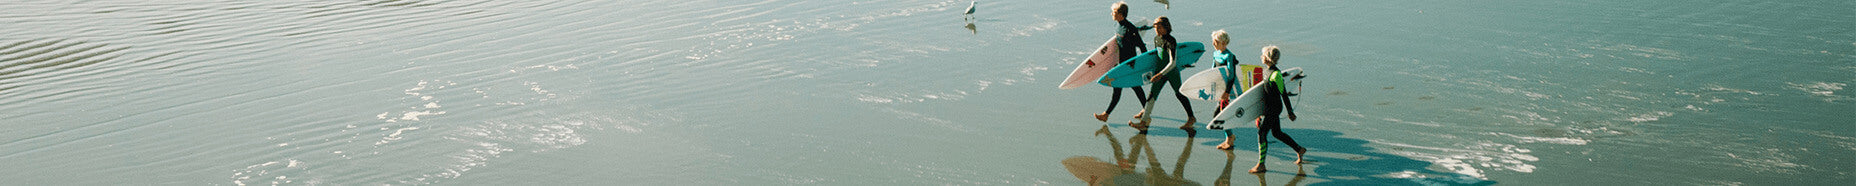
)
(1189, 121)
(1143, 120)
(1228, 137)
(1191, 117)
(1298, 155)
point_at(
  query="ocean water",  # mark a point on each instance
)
(910, 92)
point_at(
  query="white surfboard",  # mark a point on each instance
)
(1098, 63)
(1207, 85)
(1249, 105)
(1294, 82)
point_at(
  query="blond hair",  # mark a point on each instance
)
(1120, 8)
(1270, 54)
(1219, 37)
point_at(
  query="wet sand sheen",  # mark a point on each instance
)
(914, 92)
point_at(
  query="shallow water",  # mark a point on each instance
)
(909, 92)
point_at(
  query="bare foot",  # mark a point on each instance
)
(1226, 146)
(1258, 169)
(1102, 117)
(1298, 155)
(1189, 122)
(1138, 115)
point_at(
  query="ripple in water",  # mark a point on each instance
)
(28, 67)
(419, 155)
(1825, 90)
(1468, 161)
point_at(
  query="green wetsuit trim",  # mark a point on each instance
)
(1276, 77)
(1263, 150)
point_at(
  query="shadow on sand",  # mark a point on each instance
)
(1334, 160)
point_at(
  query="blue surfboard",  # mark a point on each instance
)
(1135, 71)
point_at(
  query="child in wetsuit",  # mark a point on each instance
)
(1275, 101)
(1168, 74)
(1228, 61)
(1128, 46)
(1224, 59)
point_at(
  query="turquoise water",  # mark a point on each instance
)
(909, 92)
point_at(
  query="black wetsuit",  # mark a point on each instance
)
(1129, 46)
(1275, 101)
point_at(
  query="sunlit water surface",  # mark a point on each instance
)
(910, 92)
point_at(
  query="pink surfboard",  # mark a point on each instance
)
(1098, 63)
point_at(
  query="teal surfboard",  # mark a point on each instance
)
(1135, 71)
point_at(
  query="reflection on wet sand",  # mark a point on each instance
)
(1224, 178)
(970, 28)
(1261, 180)
(1335, 161)
(1096, 172)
